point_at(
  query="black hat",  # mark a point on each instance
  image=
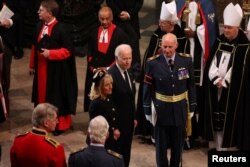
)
(98, 76)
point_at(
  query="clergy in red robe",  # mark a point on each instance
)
(53, 65)
(101, 47)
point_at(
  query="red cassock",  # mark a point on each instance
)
(36, 149)
(41, 63)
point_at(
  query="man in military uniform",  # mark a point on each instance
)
(169, 85)
(167, 24)
(95, 155)
(36, 148)
(225, 118)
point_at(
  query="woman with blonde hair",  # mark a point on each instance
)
(102, 104)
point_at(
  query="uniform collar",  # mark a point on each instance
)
(39, 131)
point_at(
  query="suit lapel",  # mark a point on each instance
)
(122, 81)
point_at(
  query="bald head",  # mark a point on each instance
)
(169, 45)
(169, 37)
(105, 16)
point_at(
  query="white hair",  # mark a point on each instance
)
(121, 48)
(98, 129)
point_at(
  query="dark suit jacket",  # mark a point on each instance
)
(124, 99)
(159, 78)
(106, 108)
(8, 34)
(131, 6)
(94, 156)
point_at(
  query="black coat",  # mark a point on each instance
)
(132, 7)
(236, 97)
(9, 34)
(124, 99)
(106, 108)
(94, 156)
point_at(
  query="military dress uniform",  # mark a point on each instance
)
(95, 156)
(171, 88)
(154, 48)
(37, 149)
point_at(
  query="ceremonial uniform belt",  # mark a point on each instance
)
(171, 99)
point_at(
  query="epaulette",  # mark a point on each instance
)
(22, 134)
(51, 141)
(77, 150)
(115, 154)
(153, 57)
(184, 55)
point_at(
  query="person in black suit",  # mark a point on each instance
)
(7, 33)
(126, 16)
(96, 155)
(124, 99)
(102, 104)
(169, 88)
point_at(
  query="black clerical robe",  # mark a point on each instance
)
(236, 97)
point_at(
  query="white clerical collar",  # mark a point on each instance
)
(50, 22)
(97, 145)
(104, 36)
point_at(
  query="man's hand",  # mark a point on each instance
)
(219, 84)
(32, 71)
(190, 115)
(149, 118)
(44, 52)
(5, 23)
(135, 123)
(116, 134)
(189, 33)
(124, 15)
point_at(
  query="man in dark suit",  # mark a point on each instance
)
(169, 85)
(7, 34)
(95, 155)
(124, 99)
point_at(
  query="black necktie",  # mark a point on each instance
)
(127, 79)
(171, 64)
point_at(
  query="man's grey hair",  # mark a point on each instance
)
(42, 112)
(120, 48)
(98, 129)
